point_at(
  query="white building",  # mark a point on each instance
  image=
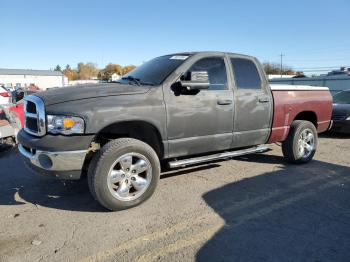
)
(280, 76)
(82, 82)
(43, 79)
(114, 77)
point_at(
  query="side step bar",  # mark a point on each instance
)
(203, 159)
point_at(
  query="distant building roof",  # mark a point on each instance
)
(4, 71)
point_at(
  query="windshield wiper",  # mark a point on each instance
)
(132, 79)
(147, 83)
(137, 81)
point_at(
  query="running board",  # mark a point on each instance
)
(203, 159)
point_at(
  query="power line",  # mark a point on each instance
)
(316, 70)
(322, 67)
(345, 47)
(317, 60)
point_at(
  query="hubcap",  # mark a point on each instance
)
(129, 176)
(306, 143)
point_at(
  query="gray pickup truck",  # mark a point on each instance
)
(179, 109)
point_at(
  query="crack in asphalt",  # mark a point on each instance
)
(65, 242)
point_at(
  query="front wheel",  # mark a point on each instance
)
(301, 143)
(123, 174)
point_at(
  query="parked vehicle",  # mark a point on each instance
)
(341, 112)
(5, 95)
(32, 88)
(180, 109)
(11, 121)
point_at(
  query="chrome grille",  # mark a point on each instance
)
(34, 113)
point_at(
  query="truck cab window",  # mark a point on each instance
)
(246, 74)
(215, 66)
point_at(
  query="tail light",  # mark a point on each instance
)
(5, 94)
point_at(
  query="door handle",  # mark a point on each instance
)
(222, 102)
(264, 100)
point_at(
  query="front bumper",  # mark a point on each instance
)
(63, 165)
(59, 156)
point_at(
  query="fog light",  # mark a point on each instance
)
(45, 161)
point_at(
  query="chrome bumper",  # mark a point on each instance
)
(54, 161)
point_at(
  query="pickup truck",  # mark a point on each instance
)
(180, 109)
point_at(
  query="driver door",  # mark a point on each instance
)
(202, 121)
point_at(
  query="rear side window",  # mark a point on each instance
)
(246, 74)
(215, 66)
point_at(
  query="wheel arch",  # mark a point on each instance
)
(307, 115)
(137, 129)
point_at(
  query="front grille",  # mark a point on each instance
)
(339, 116)
(34, 112)
(31, 108)
(32, 124)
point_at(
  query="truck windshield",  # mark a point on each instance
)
(342, 98)
(155, 71)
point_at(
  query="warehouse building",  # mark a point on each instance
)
(23, 78)
(336, 81)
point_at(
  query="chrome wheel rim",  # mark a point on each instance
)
(306, 143)
(129, 176)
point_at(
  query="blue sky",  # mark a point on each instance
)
(41, 34)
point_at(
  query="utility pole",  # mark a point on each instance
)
(281, 69)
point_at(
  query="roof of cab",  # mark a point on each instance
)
(212, 53)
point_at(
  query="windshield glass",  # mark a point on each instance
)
(342, 98)
(155, 71)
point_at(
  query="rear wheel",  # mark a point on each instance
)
(123, 174)
(301, 143)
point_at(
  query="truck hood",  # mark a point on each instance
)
(65, 94)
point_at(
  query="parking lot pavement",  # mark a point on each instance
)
(253, 208)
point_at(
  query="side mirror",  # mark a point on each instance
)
(197, 80)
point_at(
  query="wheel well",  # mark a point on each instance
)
(308, 116)
(140, 130)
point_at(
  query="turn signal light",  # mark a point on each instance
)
(68, 123)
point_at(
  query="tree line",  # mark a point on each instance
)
(275, 69)
(86, 71)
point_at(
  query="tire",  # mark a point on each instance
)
(297, 137)
(123, 174)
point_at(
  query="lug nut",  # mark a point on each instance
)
(134, 171)
(123, 175)
(127, 169)
(133, 178)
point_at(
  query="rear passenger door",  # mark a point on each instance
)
(253, 103)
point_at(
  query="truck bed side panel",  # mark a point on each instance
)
(289, 103)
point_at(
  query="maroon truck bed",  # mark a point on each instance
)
(299, 102)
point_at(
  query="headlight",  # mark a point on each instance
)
(65, 125)
(348, 118)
